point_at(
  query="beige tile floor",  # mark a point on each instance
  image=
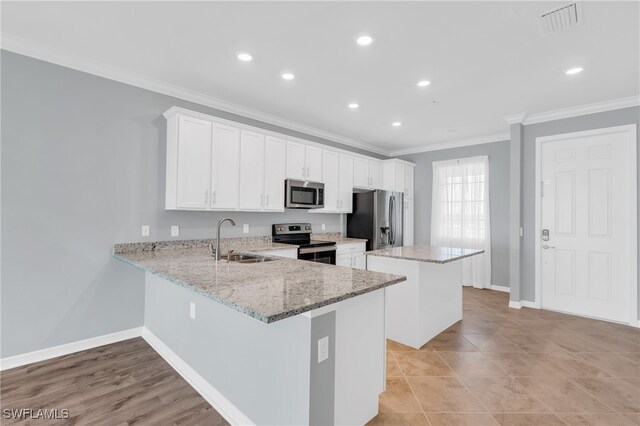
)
(501, 366)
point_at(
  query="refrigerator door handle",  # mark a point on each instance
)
(391, 221)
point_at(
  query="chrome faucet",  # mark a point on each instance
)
(217, 253)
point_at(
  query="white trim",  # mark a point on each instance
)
(515, 305)
(38, 51)
(635, 323)
(532, 305)
(498, 137)
(502, 288)
(221, 404)
(515, 118)
(68, 348)
(633, 193)
(579, 110)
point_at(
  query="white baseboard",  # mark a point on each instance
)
(222, 405)
(635, 323)
(68, 348)
(502, 288)
(527, 304)
(515, 305)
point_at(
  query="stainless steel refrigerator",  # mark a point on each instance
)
(378, 217)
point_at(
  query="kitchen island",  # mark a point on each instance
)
(279, 341)
(430, 300)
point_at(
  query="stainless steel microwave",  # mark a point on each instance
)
(300, 194)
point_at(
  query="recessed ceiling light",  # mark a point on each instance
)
(364, 40)
(288, 76)
(353, 105)
(245, 57)
(572, 71)
(423, 83)
(396, 124)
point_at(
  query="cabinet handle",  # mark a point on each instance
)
(307, 172)
(213, 197)
(206, 197)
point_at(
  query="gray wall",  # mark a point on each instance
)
(83, 168)
(533, 131)
(498, 153)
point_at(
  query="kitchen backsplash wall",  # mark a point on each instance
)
(83, 167)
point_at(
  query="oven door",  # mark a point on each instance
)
(304, 195)
(326, 254)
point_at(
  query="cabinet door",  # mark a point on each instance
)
(314, 164)
(400, 177)
(252, 165)
(331, 173)
(275, 163)
(345, 197)
(408, 230)
(408, 181)
(375, 174)
(344, 260)
(194, 163)
(360, 172)
(296, 167)
(225, 169)
(359, 261)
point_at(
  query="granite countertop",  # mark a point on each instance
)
(337, 237)
(426, 253)
(267, 291)
(252, 244)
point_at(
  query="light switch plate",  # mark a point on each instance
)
(192, 310)
(245, 228)
(145, 231)
(324, 226)
(175, 231)
(522, 232)
(323, 349)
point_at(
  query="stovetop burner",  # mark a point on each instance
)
(296, 233)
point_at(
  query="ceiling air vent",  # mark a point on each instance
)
(561, 18)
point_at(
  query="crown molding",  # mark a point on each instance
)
(585, 109)
(498, 137)
(515, 118)
(47, 54)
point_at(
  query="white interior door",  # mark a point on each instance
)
(587, 204)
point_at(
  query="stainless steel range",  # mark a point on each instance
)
(300, 235)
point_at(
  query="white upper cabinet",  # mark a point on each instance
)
(367, 173)
(314, 163)
(345, 197)
(296, 164)
(398, 176)
(252, 171)
(409, 176)
(188, 178)
(275, 163)
(262, 170)
(331, 172)
(225, 168)
(304, 162)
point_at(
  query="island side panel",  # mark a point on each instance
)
(262, 369)
(402, 305)
(440, 297)
(360, 358)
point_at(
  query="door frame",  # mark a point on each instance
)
(633, 250)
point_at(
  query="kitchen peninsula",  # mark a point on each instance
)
(280, 341)
(430, 300)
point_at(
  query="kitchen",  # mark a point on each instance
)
(144, 172)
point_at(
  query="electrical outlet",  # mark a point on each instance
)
(145, 231)
(522, 232)
(175, 231)
(245, 228)
(192, 310)
(324, 226)
(323, 349)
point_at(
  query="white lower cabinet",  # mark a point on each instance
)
(351, 255)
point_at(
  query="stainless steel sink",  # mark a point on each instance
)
(245, 258)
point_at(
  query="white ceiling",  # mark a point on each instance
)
(485, 60)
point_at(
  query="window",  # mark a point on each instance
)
(460, 206)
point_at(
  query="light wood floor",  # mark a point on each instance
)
(501, 366)
(119, 384)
